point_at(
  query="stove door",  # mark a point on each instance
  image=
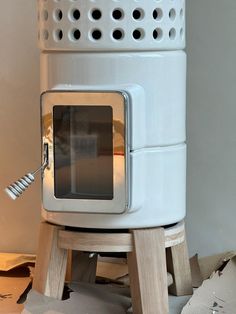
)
(87, 139)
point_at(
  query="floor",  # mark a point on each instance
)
(90, 299)
(177, 304)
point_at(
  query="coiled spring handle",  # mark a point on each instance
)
(16, 189)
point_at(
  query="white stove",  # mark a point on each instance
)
(113, 86)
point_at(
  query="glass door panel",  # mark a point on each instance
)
(83, 152)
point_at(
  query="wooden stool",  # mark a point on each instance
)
(147, 262)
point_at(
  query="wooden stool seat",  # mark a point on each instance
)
(113, 242)
(150, 252)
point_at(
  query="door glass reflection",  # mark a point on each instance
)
(83, 152)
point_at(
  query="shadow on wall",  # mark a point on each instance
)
(19, 123)
(211, 48)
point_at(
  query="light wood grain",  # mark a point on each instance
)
(112, 242)
(148, 274)
(95, 242)
(178, 265)
(50, 268)
(175, 234)
(68, 277)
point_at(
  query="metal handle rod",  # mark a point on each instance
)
(44, 165)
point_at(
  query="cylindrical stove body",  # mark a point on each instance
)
(113, 84)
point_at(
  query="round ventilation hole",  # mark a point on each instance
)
(45, 34)
(172, 14)
(157, 14)
(96, 14)
(118, 14)
(118, 34)
(157, 34)
(181, 13)
(75, 34)
(138, 14)
(96, 34)
(58, 35)
(172, 33)
(138, 34)
(58, 15)
(75, 14)
(45, 15)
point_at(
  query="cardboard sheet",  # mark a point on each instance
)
(211, 263)
(196, 273)
(216, 295)
(86, 299)
(116, 269)
(9, 261)
(12, 284)
(113, 268)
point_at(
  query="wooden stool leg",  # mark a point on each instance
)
(178, 265)
(148, 274)
(81, 267)
(84, 267)
(51, 263)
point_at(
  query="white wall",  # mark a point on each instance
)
(211, 124)
(19, 123)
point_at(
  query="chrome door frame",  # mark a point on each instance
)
(119, 101)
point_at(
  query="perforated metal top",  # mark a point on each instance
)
(111, 25)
